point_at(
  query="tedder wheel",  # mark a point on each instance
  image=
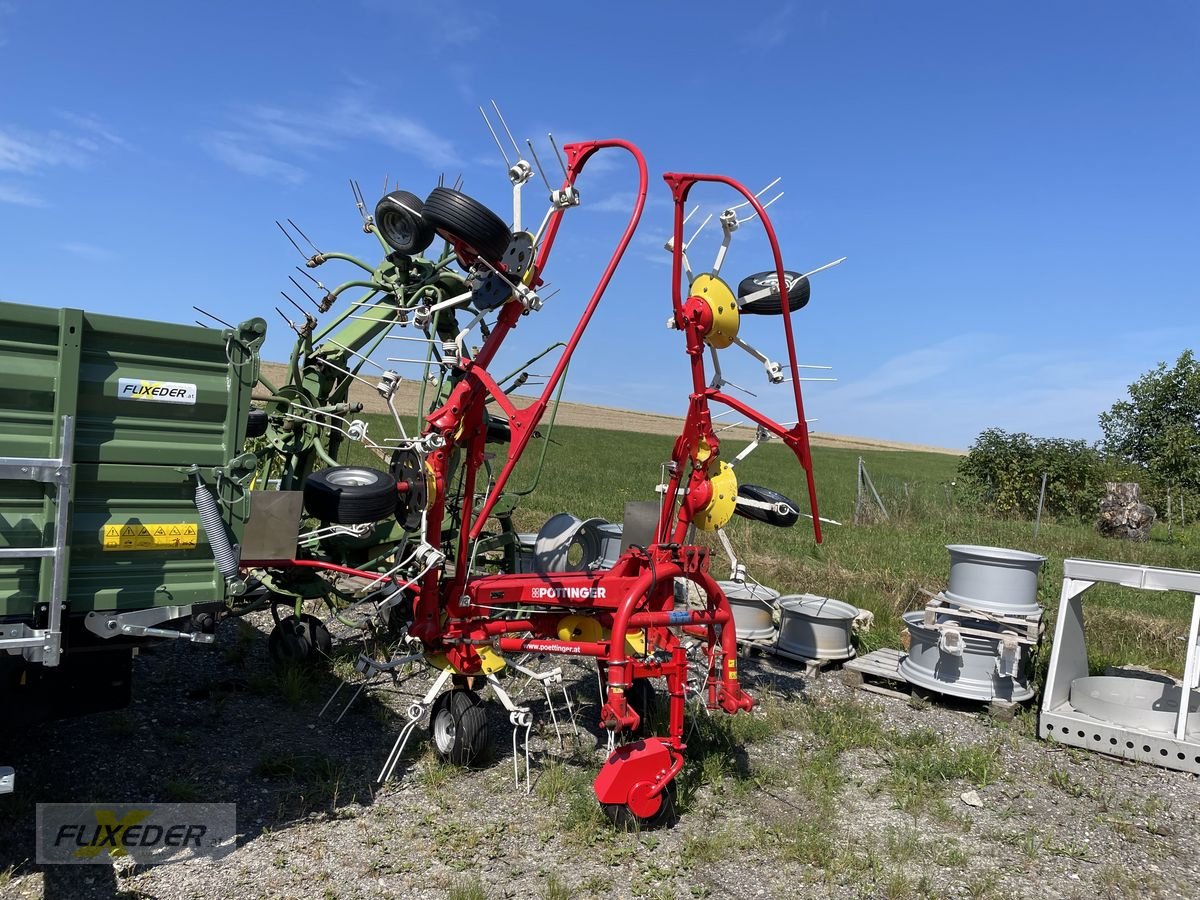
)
(798, 293)
(350, 495)
(398, 216)
(770, 516)
(303, 640)
(467, 224)
(627, 820)
(458, 728)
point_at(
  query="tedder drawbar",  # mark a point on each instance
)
(410, 543)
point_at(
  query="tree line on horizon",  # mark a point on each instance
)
(1151, 437)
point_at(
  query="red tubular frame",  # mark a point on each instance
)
(463, 411)
(456, 614)
(699, 424)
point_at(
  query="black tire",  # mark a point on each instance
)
(458, 728)
(798, 293)
(350, 495)
(471, 227)
(406, 466)
(256, 423)
(400, 221)
(303, 641)
(770, 516)
(498, 432)
(624, 819)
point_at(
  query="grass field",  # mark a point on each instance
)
(883, 566)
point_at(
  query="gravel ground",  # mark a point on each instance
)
(765, 818)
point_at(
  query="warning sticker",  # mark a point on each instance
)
(150, 536)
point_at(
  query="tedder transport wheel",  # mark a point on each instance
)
(398, 216)
(798, 293)
(350, 495)
(627, 820)
(467, 224)
(458, 728)
(303, 640)
(770, 516)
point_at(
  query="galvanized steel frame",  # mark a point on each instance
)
(1061, 722)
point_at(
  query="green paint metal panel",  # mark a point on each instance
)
(129, 453)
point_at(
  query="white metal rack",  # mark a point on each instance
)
(1160, 740)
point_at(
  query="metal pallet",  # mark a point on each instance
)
(865, 673)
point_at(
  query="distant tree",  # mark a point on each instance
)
(1158, 428)
(1005, 471)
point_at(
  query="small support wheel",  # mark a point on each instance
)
(471, 227)
(350, 495)
(625, 819)
(400, 222)
(304, 640)
(458, 728)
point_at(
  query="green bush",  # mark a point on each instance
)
(1005, 472)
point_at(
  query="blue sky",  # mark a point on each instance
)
(1016, 185)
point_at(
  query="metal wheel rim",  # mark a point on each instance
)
(401, 227)
(443, 731)
(353, 478)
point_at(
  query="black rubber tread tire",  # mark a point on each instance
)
(410, 234)
(304, 641)
(798, 295)
(643, 697)
(349, 504)
(467, 222)
(498, 431)
(256, 423)
(471, 743)
(766, 495)
(624, 819)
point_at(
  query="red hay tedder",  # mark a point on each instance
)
(628, 617)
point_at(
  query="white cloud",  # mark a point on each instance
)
(28, 152)
(19, 196)
(620, 202)
(946, 393)
(24, 153)
(31, 153)
(274, 142)
(90, 124)
(238, 151)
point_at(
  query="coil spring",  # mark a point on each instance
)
(214, 529)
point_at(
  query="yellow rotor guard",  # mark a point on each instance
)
(719, 508)
(580, 628)
(585, 628)
(720, 299)
(490, 660)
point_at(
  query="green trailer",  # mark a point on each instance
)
(123, 495)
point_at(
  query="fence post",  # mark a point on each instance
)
(1041, 500)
